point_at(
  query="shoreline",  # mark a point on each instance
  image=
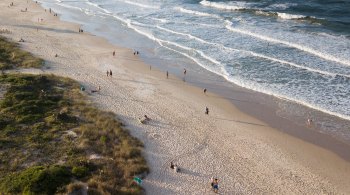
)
(319, 133)
(151, 86)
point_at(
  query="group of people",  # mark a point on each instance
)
(5, 31)
(109, 73)
(175, 167)
(214, 181)
(204, 90)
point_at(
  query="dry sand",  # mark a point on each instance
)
(247, 156)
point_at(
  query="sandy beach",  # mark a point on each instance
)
(247, 155)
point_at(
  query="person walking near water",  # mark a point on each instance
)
(204, 90)
(167, 74)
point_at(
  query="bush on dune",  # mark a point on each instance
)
(45, 121)
(11, 56)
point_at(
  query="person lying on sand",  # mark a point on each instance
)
(142, 121)
(176, 169)
(96, 90)
(147, 118)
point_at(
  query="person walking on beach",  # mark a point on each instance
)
(110, 73)
(167, 74)
(107, 73)
(113, 53)
(309, 122)
(206, 110)
(204, 90)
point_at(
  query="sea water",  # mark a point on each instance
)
(294, 50)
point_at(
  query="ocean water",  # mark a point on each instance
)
(295, 50)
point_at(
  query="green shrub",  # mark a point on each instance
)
(36, 180)
(11, 56)
(80, 171)
(36, 113)
(103, 139)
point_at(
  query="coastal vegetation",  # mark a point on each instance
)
(11, 56)
(53, 141)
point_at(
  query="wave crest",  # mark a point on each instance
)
(183, 10)
(220, 5)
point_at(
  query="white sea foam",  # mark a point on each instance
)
(162, 20)
(290, 97)
(99, 7)
(161, 42)
(253, 54)
(297, 65)
(262, 12)
(213, 62)
(300, 47)
(183, 10)
(141, 5)
(219, 5)
(69, 6)
(289, 16)
(183, 34)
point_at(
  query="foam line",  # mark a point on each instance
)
(141, 5)
(192, 12)
(254, 54)
(300, 47)
(220, 5)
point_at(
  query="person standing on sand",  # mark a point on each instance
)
(205, 90)
(110, 73)
(206, 110)
(167, 74)
(309, 122)
(107, 73)
(215, 185)
(113, 53)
